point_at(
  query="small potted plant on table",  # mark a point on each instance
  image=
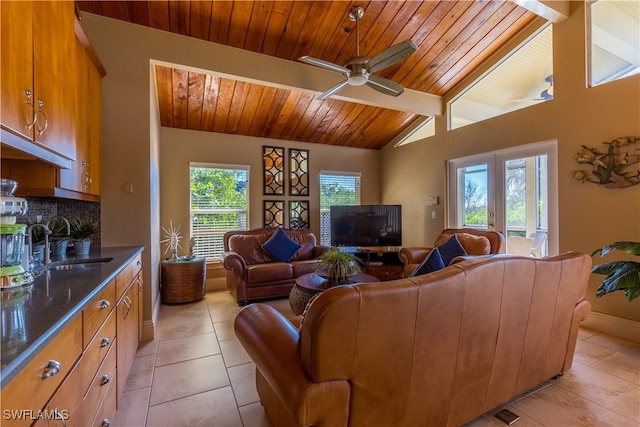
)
(338, 267)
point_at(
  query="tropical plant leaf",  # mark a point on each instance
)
(632, 248)
(621, 275)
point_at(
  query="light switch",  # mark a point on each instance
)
(433, 214)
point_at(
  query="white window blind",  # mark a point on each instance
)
(336, 189)
(219, 203)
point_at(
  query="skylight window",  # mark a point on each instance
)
(521, 79)
(614, 40)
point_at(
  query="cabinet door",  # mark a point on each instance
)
(16, 72)
(127, 336)
(93, 122)
(55, 74)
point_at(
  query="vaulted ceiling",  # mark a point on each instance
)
(452, 38)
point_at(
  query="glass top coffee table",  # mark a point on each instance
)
(310, 284)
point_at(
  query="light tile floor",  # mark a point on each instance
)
(196, 373)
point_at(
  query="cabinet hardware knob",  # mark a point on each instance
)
(52, 368)
(105, 304)
(106, 422)
(105, 380)
(41, 111)
(105, 342)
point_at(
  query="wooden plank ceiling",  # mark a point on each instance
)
(453, 37)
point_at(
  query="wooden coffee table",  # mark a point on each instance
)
(310, 284)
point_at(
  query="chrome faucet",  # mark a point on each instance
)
(65, 220)
(47, 258)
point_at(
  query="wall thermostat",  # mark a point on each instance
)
(432, 200)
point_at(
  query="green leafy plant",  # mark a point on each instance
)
(58, 230)
(338, 266)
(621, 275)
(83, 228)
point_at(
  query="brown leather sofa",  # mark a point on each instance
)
(475, 242)
(438, 349)
(252, 274)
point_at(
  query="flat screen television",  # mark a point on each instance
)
(366, 225)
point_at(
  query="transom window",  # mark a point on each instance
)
(336, 189)
(219, 203)
(614, 40)
(521, 79)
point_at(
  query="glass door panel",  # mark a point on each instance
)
(512, 191)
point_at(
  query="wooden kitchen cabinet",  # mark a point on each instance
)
(85, 174)
(95, 353)
(39, 101)
(128, 322)
(83, 180)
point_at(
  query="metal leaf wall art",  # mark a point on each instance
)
(613, 167)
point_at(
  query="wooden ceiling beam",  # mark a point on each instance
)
(554, 11)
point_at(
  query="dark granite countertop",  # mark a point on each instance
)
(33, 315)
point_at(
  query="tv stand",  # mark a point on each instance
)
(379, 261)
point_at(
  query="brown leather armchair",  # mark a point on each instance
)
(438, 349)
(470, 239)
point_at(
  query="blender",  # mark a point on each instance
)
(12, 273)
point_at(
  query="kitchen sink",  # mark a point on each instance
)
(79, 264)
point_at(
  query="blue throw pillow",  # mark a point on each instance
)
(280, 247)
(451, 249)
(433, 262)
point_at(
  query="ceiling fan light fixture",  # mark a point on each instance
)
(358, 79)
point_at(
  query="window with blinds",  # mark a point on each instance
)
(336, 189)
(219, 203)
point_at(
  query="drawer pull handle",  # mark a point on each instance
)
(53, 367)
(57, 415)
(106, 422)
(105, 342)
(105, 380)
(105, 304)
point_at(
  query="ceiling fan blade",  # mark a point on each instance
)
(333, 90)
(324, 64)
(385, 86)
(391, 55)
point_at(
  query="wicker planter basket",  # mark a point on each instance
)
(183, 281)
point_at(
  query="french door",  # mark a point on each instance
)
(513, 191)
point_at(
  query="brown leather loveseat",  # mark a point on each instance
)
(253, 274)
(475, 242)
(438, 349)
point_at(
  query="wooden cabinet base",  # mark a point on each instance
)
(183, 281)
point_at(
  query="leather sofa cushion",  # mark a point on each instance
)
(472, 244)
(269, 272)
(249, 247)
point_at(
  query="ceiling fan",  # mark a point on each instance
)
(545, 95)
(359, 69)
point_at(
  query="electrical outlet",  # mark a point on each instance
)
(38, 218)
(433, 214)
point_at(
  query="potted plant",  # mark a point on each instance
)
(82, 229)
(621, 275)
(60, 235)
(338, 266)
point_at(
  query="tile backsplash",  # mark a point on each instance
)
(48, 207)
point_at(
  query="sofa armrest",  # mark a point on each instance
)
(233, 261)
(413, 255)
(272, 343)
